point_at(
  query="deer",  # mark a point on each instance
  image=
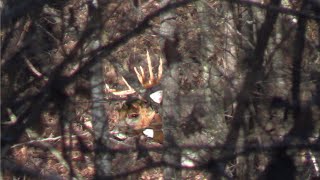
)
(137, 117)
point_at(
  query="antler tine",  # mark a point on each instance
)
(139, 76)
(127, 84)
(142, 75)
(150, 67)
(129, 91)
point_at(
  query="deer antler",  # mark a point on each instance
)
(141, 77)
(152, 81)
(129, 91)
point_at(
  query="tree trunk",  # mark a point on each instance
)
(213, 88)
(242, 16)
(170, 106)
(99, 115)
(100, 123)
(253, 75)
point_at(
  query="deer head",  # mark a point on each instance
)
(137, 117)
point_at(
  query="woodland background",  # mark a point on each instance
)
(241, 86)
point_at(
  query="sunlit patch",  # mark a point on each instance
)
(119, 135)
(187, 162)
(149, 133)
(157, 96)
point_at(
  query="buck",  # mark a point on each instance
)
(136, 117)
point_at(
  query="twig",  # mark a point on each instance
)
(32, 68)
(44, 140)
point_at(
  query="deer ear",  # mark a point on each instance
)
(157, 96)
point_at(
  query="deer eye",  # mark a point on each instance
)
(133, 115)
